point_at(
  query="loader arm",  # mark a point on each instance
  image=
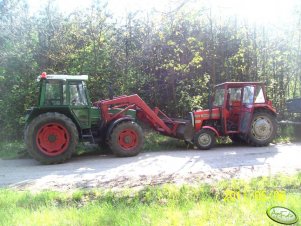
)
(155, 118)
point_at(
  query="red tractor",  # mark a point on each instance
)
(239, 110)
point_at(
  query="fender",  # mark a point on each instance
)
(114, 123)
(211, 128)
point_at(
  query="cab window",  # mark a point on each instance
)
(219, 97)
(235, 94)
(248, 95)
(77, 94)
(55, 93)
(259, 96)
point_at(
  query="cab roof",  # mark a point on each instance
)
(62, 77)
(240, 84)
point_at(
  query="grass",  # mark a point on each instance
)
(154, 141)
(288, 133)
(161, 205)
(12, 150)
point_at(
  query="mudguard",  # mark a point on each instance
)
(116, 122)
(211, 128)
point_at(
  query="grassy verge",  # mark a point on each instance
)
(154, 141)
(165, 205)
(12, 150)
(288, 133)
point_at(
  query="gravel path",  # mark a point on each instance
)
(180, 166)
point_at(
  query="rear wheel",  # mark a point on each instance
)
(51, 138)
(263, 129)
(126, 139)
(204, 139)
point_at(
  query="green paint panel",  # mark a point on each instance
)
(94, 115)
(130, 112)
(82, 115)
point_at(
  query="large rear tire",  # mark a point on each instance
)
(204, 139)
(126, 139)
(51, 138)
(263, 129)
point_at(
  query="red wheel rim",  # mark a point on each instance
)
(52, 139)
(128, 139)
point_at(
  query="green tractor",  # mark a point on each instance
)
(65, 116)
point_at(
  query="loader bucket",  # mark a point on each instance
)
(185, 131)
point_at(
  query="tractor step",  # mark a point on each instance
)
(88, 136)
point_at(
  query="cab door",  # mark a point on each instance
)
(79, 103)
(233, 106)
(247, 108)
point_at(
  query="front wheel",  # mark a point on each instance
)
(204, 139)
(126, 139)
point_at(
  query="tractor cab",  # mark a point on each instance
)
(60, 90)
(68, 95)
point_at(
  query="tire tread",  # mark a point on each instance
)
(252, 141)
(113, 144)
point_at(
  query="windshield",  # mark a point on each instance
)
(259, 96)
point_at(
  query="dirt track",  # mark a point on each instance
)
(190, 166)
